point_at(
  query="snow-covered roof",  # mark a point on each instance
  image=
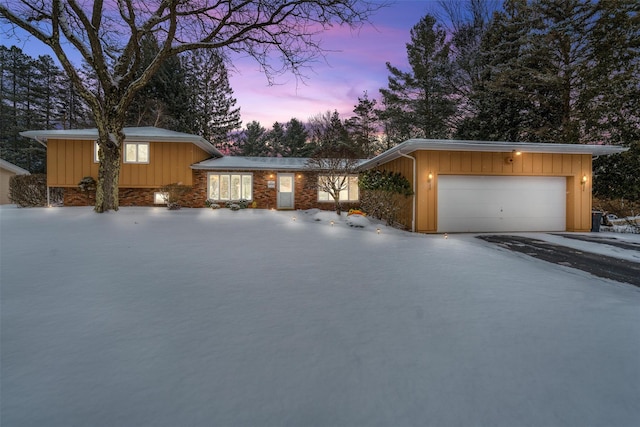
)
(253, 163)
(13, 168)
(132, 134)
(492, 146)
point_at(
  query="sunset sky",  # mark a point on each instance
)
(355, 63)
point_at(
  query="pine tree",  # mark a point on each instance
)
(364, 126)
(418, 102)
(251, 141)
(296, 142)
(212, 105)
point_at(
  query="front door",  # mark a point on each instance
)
(285, 190)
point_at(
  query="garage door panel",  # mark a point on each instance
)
(492, 203)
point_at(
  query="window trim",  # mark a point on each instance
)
(137, 144)
(229, 174)
(330, 199)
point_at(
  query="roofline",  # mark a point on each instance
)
(13, 168)
(417, 144)
(91, 134)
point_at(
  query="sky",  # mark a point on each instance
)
(355, 63)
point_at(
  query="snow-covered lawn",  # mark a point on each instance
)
(150, 317)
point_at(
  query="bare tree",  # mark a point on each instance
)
(334, 165)
(107, 35)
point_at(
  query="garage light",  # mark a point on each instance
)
(584, 181)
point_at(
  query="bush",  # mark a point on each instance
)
(242, 204)
(172, 193)
(211, 204)
(28, 190)
(384, 195)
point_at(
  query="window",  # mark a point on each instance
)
(158, 199)
(349, 194)
(96, 152)
(136, 152)
(230, 186)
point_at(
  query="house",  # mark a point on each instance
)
(481, 186)
(154, 157)
(459, 186)
(7, 170)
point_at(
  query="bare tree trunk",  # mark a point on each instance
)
(109, 170)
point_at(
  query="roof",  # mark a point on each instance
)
(132, 134)
(412, 145)
(13, 168)
(253, 163)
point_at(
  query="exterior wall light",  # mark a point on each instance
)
(430, 178)
(583, 181)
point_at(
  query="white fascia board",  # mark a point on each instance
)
(140, 134)
(412, 145)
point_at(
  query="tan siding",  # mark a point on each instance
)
(574, 167)
(68, 161)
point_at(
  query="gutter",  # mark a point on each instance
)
(413, 202)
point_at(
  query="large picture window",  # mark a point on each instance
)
(136, 152)
(230, 186)
(349, 194)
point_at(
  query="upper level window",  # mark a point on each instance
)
(136, 152)
(96, 152)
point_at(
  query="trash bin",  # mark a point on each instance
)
(596, 220)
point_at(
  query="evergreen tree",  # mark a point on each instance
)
(212, 105)
(364, 127)
(327, 130)
(275, 140)
(418, 102)
(251, 141)
(296, 142)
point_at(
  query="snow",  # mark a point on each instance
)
(207, 317)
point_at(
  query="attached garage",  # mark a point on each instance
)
(489, 186)
(469, 203)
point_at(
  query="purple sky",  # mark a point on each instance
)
(355, 62)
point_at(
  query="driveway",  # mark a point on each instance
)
(599, 265)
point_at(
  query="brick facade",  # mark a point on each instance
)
(305, 192)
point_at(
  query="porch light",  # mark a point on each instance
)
(430, 176)
(516, 152)
(583, 181)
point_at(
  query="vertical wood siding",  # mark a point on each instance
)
(68, 161)
(571, 166)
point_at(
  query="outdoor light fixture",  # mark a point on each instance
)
(293, 218)
(430, 178)
(510, 159)
(332, 223)
(584, 181)
(378, 230)
(446, 236)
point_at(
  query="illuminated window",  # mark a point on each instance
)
(230, 186)
(158, 199)
(96, 152)
(348, 193)
(136, 152)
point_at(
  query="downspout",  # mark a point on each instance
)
(413, 207)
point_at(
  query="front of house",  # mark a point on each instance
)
(154, 157)
(459, 186)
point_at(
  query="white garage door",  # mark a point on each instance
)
(498, 203)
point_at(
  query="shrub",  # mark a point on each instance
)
(384, 194)
(87, 184)
(172, 193)
(242, 204)
(28, 190)
(211, 204)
